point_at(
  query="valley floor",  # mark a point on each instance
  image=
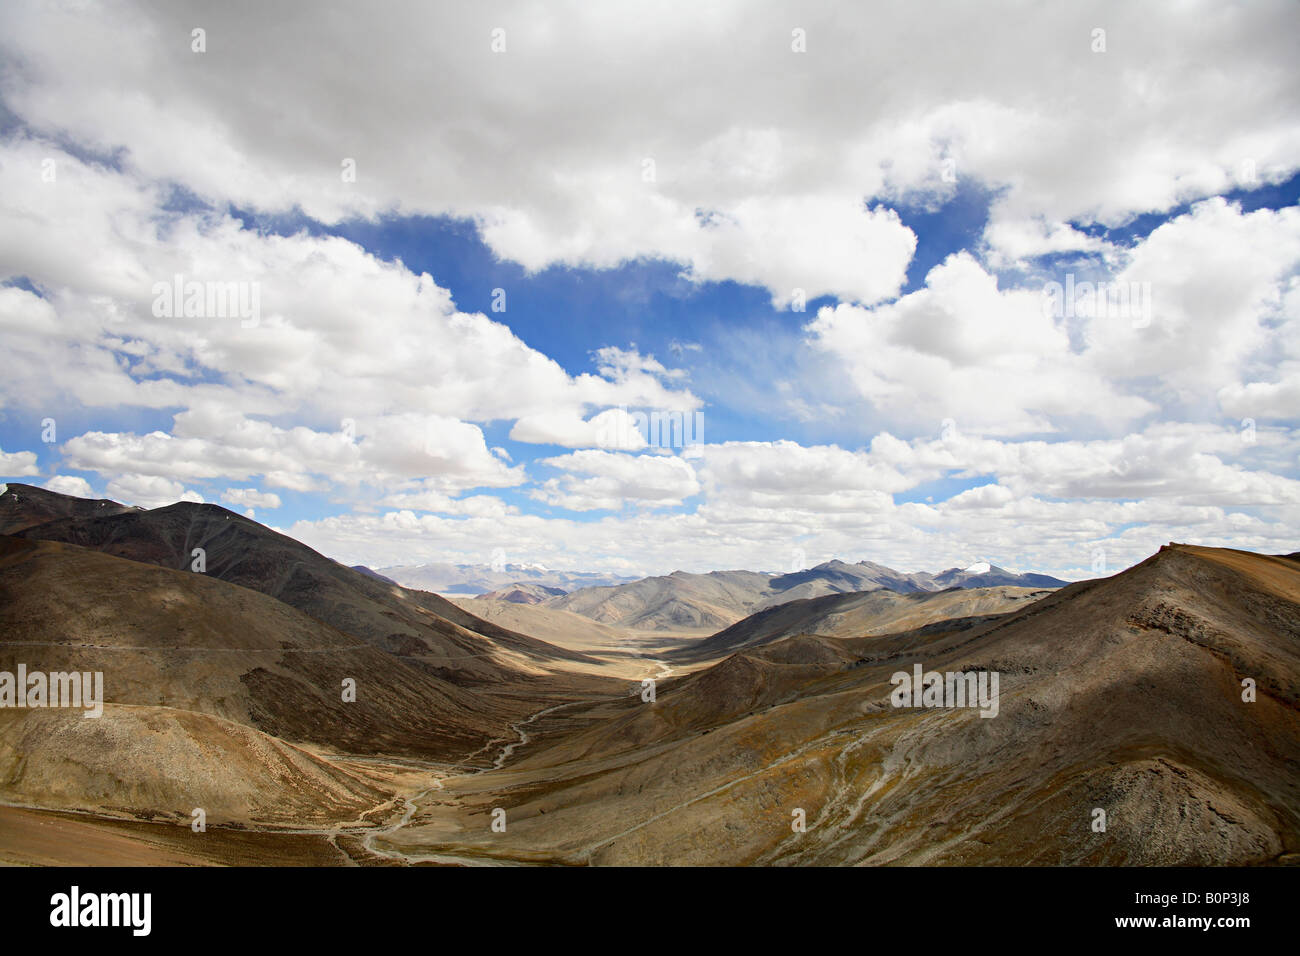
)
(1162, 703)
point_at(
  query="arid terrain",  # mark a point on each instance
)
(505, 731)
(682, 601)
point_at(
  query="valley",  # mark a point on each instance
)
(496, 732)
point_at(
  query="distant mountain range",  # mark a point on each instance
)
(472, 580)
(535, 584)
(682, 601)
(686, 601)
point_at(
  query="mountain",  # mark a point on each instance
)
(1129, 696)
(23, 506)
(472, 580)
(362, 569)
(1162, 702)
(224, 687)
(985, 575)
(422, 627)
(215, 695)
(840, 577)
(524, 594)
(677, 601)
(624, 652)
(858, 614)
(719, 599)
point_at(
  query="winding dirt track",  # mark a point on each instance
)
(368, 837)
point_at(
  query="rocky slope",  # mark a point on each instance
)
(1122, 696)
(719, 599)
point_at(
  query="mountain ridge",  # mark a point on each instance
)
(243, 552)
(1121, 694)
(720, 599)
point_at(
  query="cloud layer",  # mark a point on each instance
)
(781, 147)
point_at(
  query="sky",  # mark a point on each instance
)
(633, 287)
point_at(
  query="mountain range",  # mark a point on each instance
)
(718, 599)
(857, 614)
(1148, 718)
(472, 580)
(130, 573)
(1162, 702)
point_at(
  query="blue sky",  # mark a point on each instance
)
(925, 408)
(570, 313)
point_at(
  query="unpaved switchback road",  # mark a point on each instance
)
(412, 804)
(507, 751)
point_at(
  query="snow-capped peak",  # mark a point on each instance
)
(979, 567)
